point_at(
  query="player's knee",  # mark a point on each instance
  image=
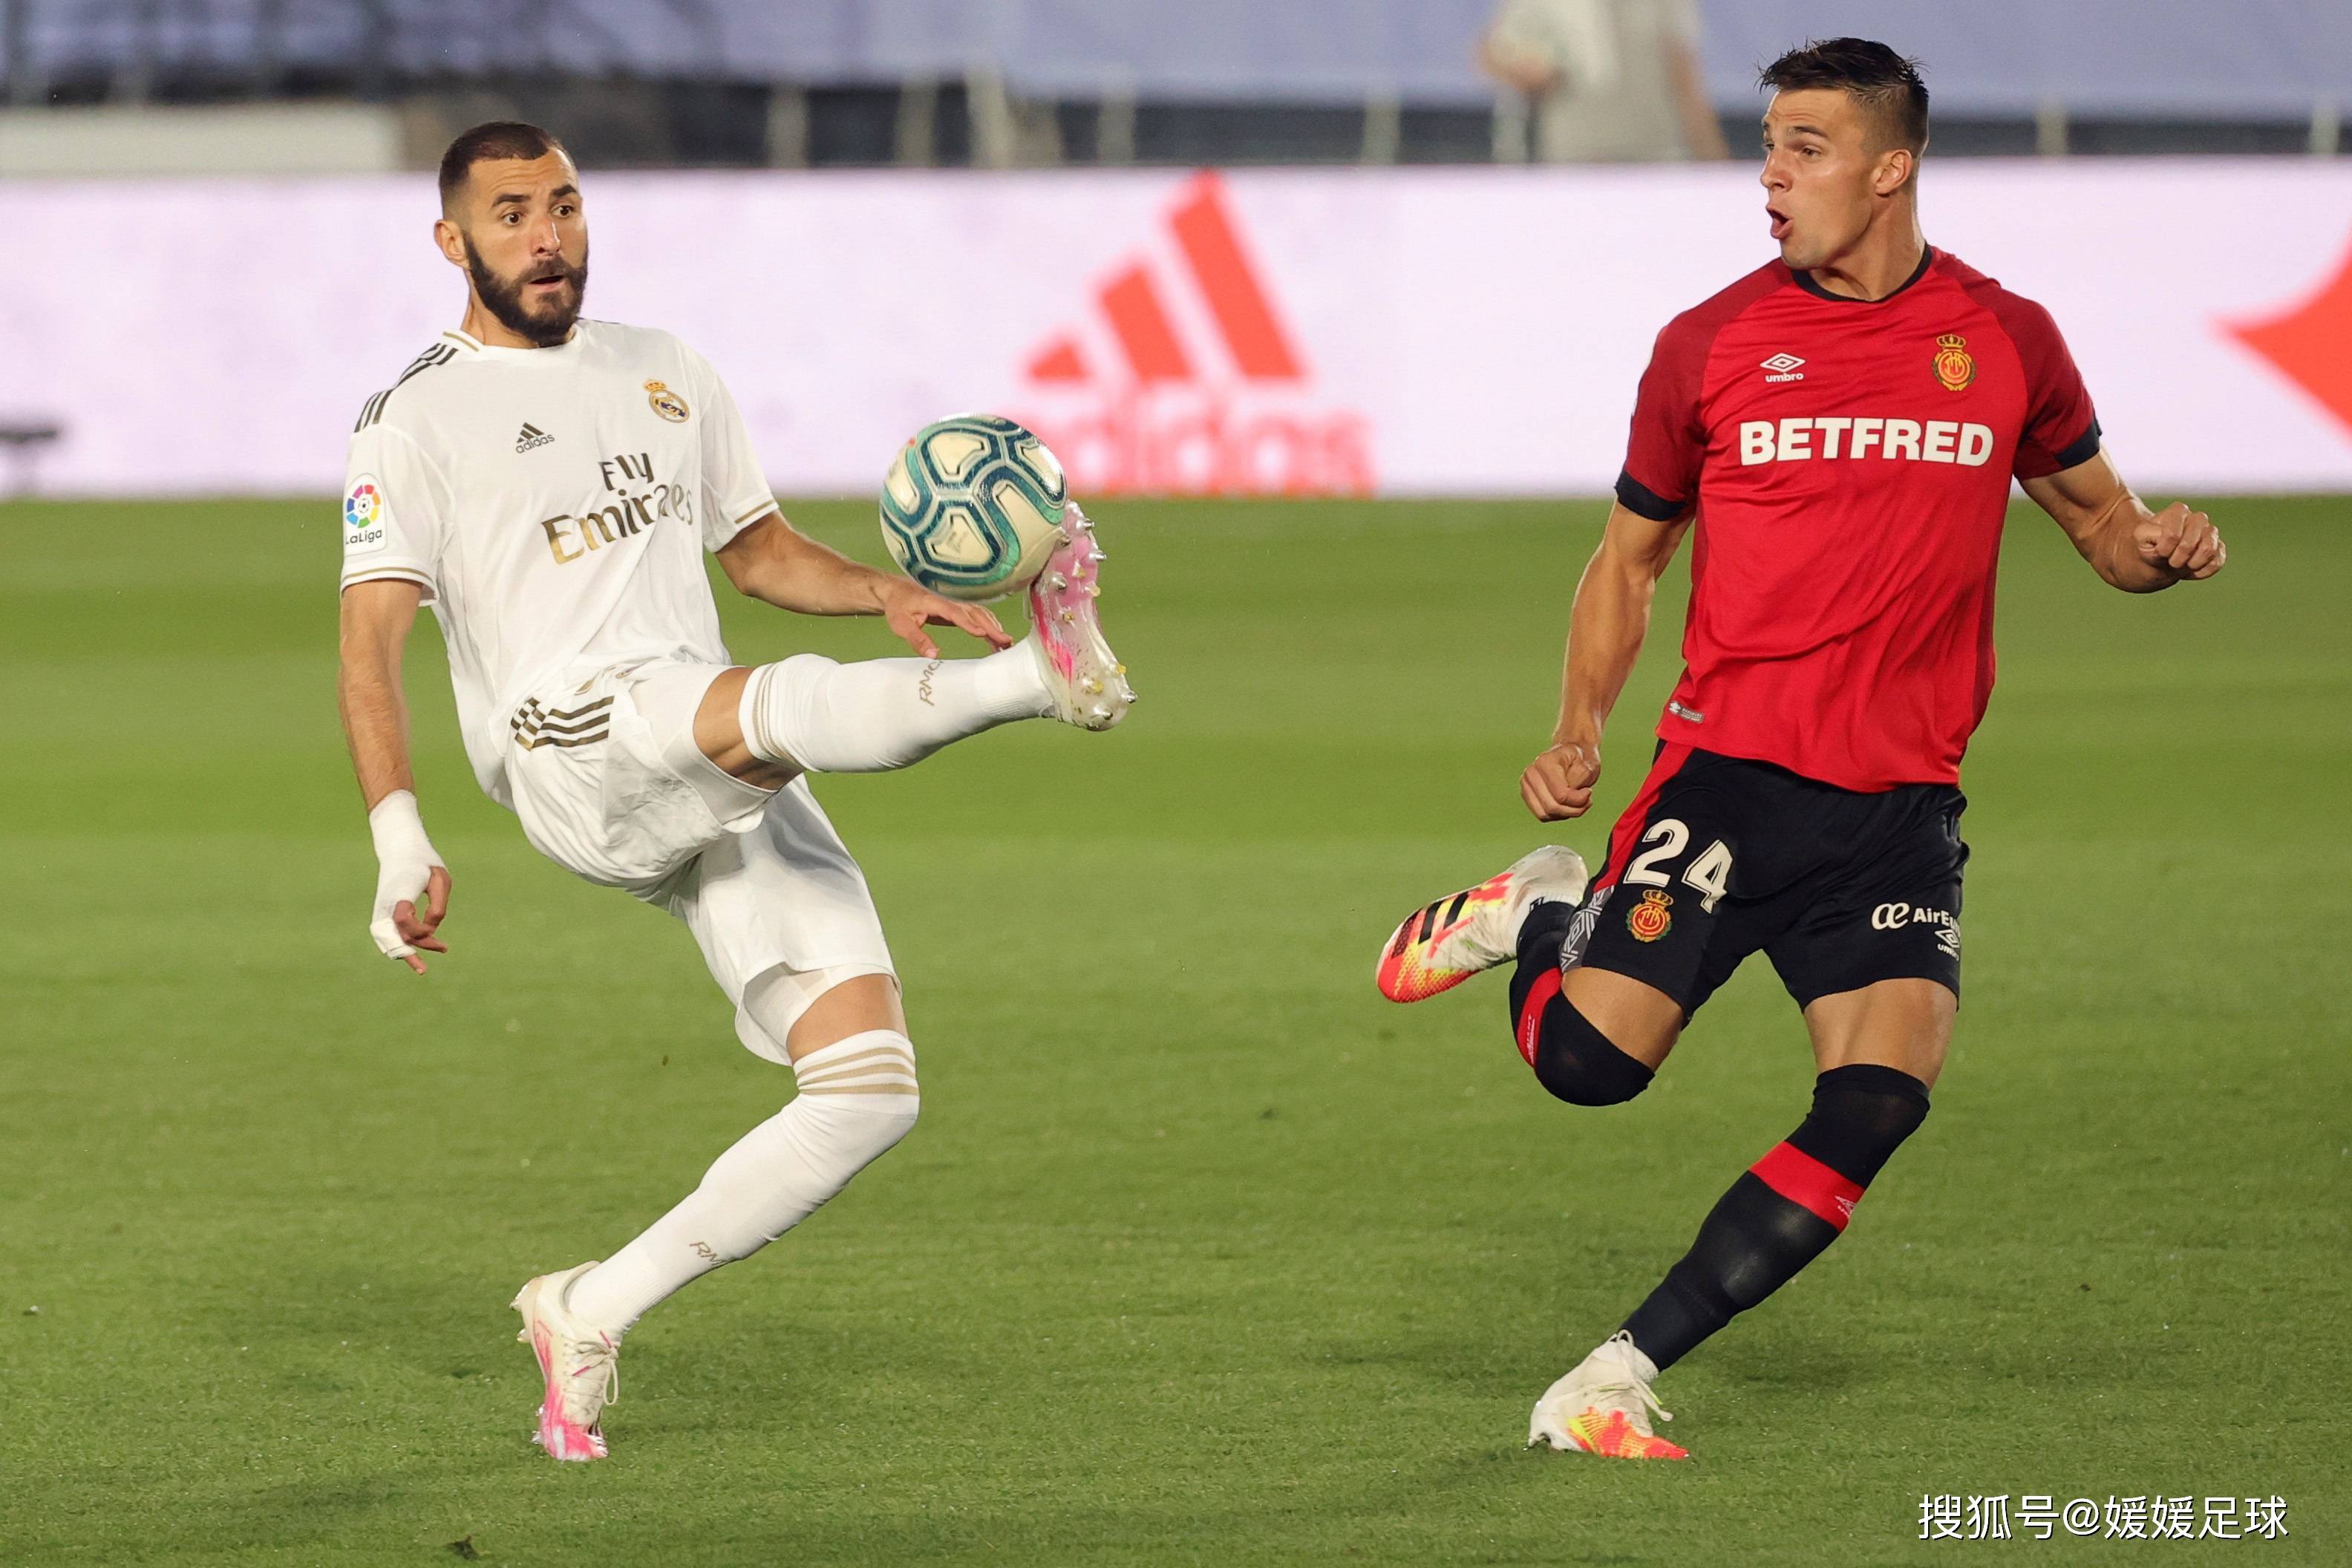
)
(862, 1090)
(1577, 1062)
(1862, 1113)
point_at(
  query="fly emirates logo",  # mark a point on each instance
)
(1910, 440)
(633, 500)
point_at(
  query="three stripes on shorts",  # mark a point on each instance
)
(535, 726)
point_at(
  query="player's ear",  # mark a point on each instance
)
(452, 243)
(1895, 166)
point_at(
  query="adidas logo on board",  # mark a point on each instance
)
(1184, 379)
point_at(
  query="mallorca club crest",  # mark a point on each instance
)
(1653, 917)
(666, 404)
(1955, 367)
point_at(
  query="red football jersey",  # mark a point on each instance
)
(1851, 462)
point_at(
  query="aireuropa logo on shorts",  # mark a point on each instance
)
(1186, 380)
(1895, 917)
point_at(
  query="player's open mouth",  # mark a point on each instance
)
(551, 281)
(1779, 223)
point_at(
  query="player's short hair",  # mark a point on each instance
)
(494, 139)
(1885, 84)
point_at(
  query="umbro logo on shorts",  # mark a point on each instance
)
(533, 435)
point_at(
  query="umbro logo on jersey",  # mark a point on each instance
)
(533, 435)
(1783, 367)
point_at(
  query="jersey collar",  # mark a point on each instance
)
(551, 354)
(1805, 281)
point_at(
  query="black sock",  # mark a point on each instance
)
(1542, 934)
(1784, 1211)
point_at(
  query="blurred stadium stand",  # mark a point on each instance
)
(1020, 82)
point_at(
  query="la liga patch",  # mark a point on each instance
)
(364, 530)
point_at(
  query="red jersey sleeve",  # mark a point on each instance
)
(2061, 429)
(1662, 453)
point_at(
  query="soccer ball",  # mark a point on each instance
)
(974, 506)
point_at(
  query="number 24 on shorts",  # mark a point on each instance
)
(1709, 871)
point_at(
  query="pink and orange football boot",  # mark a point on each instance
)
(1462, 933)
(580, 1364)
(1604, 1406)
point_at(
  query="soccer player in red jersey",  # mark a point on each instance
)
(1841, 425)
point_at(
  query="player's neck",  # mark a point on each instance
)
(1885, 258)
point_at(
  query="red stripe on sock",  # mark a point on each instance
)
(1546, 987)
(1806, 1182)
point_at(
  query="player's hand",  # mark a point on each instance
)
(908, 607)
(407, 869)
(405, 928)
(1558, 784)
(2180, 542)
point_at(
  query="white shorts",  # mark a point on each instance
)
(610, 786)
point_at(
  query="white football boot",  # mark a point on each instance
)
(1462, 933)
(1604, 1407)
(580, 1365)
(1087, 683)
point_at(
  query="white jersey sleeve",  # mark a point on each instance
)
(735, 492)
(395, 501)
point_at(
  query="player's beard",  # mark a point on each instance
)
(548, 324)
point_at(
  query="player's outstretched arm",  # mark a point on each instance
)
(1605, 629)
(2137, 550)
(376, 618)
(776, 564)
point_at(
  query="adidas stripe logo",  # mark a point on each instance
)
(533, 435)
(536, 725)
(1146, 337)
(1186, 379)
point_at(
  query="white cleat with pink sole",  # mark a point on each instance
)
(580, 1364)
(1084, 678)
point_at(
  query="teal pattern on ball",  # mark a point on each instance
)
(946, 516)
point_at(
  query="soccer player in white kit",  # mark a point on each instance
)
(548, 485)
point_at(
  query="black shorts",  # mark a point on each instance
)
(1719, 857)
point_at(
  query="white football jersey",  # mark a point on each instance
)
(555, 505)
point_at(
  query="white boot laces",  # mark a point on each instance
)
(591, 1356)
(1617, 1385)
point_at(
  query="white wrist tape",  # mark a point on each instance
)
(404, 861)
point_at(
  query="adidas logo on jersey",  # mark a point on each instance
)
(533, 435)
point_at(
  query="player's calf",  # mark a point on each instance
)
(810, 712)
(1785, 1210)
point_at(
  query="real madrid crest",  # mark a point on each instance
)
(1954, 367)
(1653, 917)
(672, 407)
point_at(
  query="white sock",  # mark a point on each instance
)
(868, 718)
(857, 1098)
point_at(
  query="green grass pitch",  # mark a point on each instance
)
(1203, 1253)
